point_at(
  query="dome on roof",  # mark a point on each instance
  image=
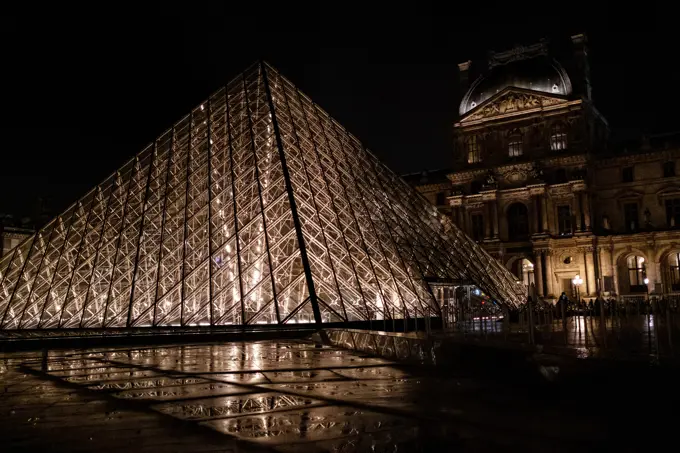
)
(539, 74)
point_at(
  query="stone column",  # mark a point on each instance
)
(586, 210)
(468, 222)
(537, 213)
(487, 220)
(652, 265)
(615, 272)
(549, 280)
(494, 211)
(577, 209)
(544, 213)
(538, 274)
(461, 218)
(590, 272)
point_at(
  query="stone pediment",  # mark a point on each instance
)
(512, 100)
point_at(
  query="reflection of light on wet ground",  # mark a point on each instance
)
(295, 396)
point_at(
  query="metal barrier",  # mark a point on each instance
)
(629, 326)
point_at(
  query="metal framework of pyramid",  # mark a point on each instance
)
(256, 208)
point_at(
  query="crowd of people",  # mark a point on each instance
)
(612, 306)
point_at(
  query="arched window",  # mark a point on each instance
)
(472, 149)
(515, 143)
(636, 273)
(674, 271)
(518, 222)
(558, 137)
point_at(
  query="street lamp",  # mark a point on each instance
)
(646, 282)
(577, 281)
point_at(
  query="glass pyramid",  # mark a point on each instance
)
(256, 208)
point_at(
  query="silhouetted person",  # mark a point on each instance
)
(562, 303)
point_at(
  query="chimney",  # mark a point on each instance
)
(581, 65)
(464, 69)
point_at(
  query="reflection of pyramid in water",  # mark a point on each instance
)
(255, 208)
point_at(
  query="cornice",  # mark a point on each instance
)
(649, 156)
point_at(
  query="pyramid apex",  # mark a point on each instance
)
(257, 227)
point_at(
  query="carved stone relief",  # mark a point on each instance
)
(513, 102)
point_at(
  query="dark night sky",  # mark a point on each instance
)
(84, 90)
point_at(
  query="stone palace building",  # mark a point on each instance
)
(536, 180)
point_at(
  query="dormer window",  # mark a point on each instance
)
(558, 137)
(515, 142)
(555, 88)
(472, 148)
(627, 174)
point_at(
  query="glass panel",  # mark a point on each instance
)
(225, 217)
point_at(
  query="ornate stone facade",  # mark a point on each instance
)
(11, 237)
(536, 180)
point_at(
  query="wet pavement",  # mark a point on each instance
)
(286, 395)
(635, 336)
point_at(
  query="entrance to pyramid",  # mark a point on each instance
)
(256, 208)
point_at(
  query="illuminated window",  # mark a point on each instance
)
(636, 273)
(515, 142)
(472, 148)
(674, 271)
(558, 137)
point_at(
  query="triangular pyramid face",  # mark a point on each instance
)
(256, 208)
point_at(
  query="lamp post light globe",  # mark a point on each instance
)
(577, 281)
(646, 282)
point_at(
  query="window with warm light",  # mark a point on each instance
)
(636, 273)
(558, 137)
(674, 271)
(473, 150)
(515, 142)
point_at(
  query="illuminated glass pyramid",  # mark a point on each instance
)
(256, 208)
